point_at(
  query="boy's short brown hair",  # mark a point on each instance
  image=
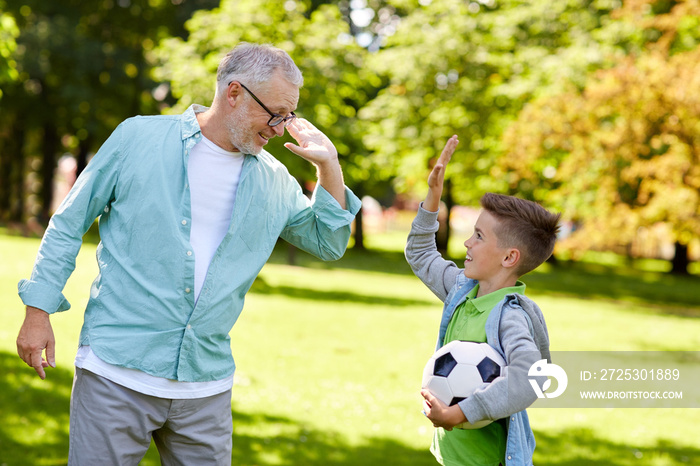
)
(524, 225)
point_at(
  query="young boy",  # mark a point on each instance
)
(484, 302)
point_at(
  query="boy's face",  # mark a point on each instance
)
(484, 257)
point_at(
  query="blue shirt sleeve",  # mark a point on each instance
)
(89, 197)
(323, 229)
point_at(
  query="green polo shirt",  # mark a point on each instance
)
(485, 446)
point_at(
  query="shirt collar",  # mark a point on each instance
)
(189, 126)
(487, 302)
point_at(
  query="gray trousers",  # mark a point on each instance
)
(111, 424)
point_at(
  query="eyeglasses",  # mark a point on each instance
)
(275, 118)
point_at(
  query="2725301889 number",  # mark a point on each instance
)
(639, 374)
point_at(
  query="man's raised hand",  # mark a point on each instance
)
(312, 144)
(315, 147)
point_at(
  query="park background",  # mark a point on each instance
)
(590, 107)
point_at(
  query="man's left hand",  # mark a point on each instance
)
(313, 145)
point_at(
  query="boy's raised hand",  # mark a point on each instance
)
(437, 176)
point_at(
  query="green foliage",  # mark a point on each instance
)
(621, 154)
(71, 71)
(670, 26)
(468, 68)
(78, 68)
(8, 36)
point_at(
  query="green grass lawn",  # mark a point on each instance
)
(330, 357)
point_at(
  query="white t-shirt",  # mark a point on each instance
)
(213, 174)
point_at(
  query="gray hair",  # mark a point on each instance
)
(255, 64)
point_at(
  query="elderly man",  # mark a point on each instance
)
(190, 208)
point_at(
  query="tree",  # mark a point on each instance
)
(624, 152)
(8, 45)
(82, 67)
(468, 68)
(8, 75)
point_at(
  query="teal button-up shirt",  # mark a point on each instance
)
(141, 313)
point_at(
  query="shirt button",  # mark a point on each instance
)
(189, 253)
(184, 222)
(509, 457)
(187, 290)
(189, 327)
(106, 209)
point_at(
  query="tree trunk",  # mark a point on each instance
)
(552, 260)
(81, 158)
(16, 173)
(7, 165)
(359, 232)
(48, 167)
(680, 261)
(442, 237)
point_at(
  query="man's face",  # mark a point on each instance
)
(484, 256)
(247, 122)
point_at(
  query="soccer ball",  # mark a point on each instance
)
(457, 369)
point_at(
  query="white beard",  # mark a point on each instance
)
(239, 135)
